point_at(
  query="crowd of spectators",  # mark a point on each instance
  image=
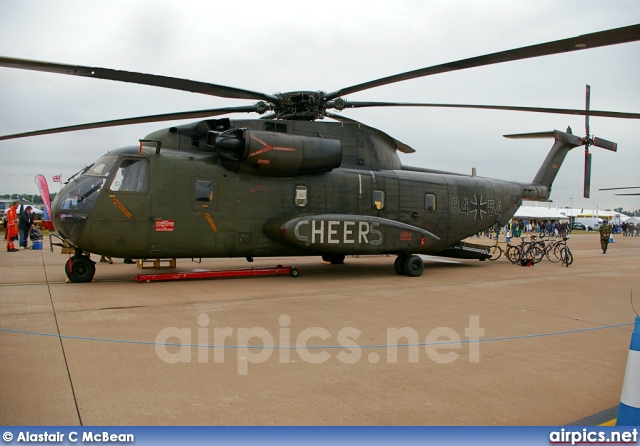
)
(516, 227)
(628, 229)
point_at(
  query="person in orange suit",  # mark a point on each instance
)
(12, 227)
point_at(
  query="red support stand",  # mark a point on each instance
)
(247, 272)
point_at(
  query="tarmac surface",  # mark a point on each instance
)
(466, 343)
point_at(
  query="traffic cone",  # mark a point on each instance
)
(629, 409)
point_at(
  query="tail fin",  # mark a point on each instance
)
(540, 188)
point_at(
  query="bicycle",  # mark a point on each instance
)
(533, 250)
(562, 252)
(549, 250)
(566, 256)
(496, 250)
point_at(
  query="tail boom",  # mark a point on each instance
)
(540, 188)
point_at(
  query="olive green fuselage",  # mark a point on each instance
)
(188, 205)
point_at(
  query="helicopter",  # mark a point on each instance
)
(291, 183)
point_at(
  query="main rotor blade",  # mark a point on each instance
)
(620, 188)
(559, 111)
(138, 120)
(592, 40)
(137, 78)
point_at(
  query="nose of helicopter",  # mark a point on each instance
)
(69, 225)
(72, 207)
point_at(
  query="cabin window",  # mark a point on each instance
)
(204, 191)
(301, 195)
(430, 202)
(131, 176)
(378, 199)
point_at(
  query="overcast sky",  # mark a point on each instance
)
(326, 45)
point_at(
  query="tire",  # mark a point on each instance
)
(538, 254)
(294, 272)
(550, 253)
(557, 251)
(398, 265)
(566, 256)
(496, 252)
(514, 253)
(414, 266)
(80, 269)
(334, 259)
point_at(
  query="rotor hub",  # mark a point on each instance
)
(301, 105)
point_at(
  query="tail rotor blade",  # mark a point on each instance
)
(587, 173)
(599, 142)
(587, 106)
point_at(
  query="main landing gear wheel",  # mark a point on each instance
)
(334, 259)
(398, 265)
(414, 266)
(80, 269)
(408, 265)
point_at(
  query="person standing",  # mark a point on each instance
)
(12, 227)
(25, 223)
(605, 234)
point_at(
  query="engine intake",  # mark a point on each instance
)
(275, 154)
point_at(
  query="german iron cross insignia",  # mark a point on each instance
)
(478, 207)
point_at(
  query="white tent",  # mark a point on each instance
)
(634, 220)
(539, 213)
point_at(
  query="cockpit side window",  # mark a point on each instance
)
(103, 166)
(131, 176)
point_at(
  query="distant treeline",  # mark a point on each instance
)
(37, 199)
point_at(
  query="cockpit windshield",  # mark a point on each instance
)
(83, 194)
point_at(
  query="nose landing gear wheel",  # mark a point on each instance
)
(80, 269)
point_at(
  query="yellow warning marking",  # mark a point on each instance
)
(211, 223)
(122, 208)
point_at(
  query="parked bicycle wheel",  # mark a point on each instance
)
(495, 251)
(514, 253)
(537, 253)
(566, 256)
(557, 251)
(550, 251)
